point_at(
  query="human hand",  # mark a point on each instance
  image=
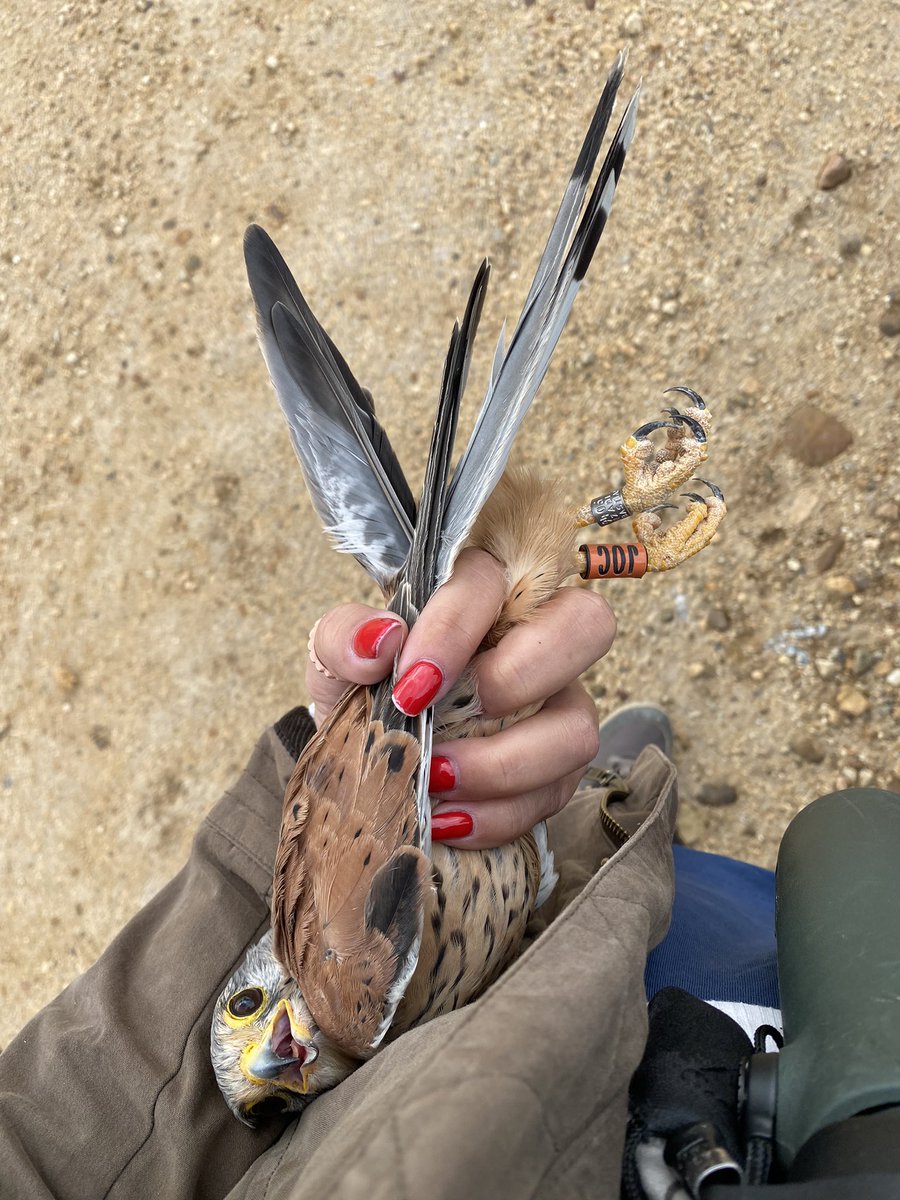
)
(490, 789)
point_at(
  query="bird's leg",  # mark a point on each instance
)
(652, 475)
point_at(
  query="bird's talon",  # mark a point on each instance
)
(655, 472)
(713, 487)
(646, 430)
(695, 399)
(692, 423)
(666, 548)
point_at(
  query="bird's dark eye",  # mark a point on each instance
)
(246, 1003)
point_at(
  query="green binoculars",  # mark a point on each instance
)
(832, 1096)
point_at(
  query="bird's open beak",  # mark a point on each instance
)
(285, 1052)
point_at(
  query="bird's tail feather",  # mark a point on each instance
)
(562, 267)
(417, 580)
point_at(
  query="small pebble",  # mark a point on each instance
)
(862, 661)
(717, 795)
(718, 619)
(272, 62)
(808, 748)
(101, 737)
(66, 677)
(829, 553)
(226, 488)
(633, 26)
(851, 701)
(893, 678)
(814, 437)
(849, 246)
(865, 777)
(699, 670)
(890, 321)
(835, 170)
(826, 668)
(840, 585)
(750, 387)
(277, 214)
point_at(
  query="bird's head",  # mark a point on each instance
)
(267, 1053)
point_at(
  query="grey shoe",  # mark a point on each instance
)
(625, 733)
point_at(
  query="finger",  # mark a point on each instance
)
(567, 634)
(502, 785)
(496, 822)
(532, 754)
(323, 693)
(356, 644)
(449, 630)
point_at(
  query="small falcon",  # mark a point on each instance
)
(374, 929)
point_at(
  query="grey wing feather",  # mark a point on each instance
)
(499, 352)
(560, 272)
(354, 478)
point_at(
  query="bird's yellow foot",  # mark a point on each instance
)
(652, 475)
(667, 548)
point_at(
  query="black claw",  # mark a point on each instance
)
(681, 418)
(657, 507)
(713, 487)
(695, 427)
(694, 496)
(696, 400)
(651, 425)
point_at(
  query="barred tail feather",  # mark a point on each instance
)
(560, 272)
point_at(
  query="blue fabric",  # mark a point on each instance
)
(721, 943)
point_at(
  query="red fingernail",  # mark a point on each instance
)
(441, 774)
(451, 825)
(418, 687)
(371, 634)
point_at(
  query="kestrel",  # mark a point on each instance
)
(374, 928)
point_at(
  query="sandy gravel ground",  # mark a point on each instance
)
(160, 564)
